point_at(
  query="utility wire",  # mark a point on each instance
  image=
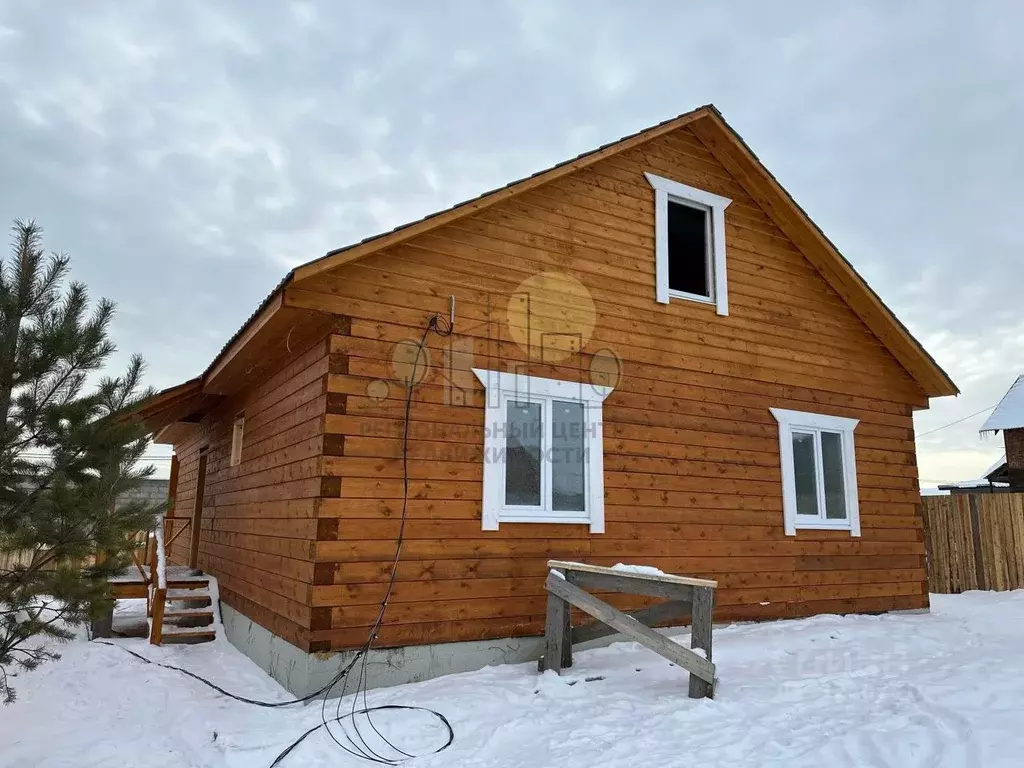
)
(954, 423)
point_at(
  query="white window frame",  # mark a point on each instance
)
(237, 436)
(666, 190)
(799, 421)
(501, 386)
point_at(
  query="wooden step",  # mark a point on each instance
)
(189, 617)
(128, 590)
(124, 590)
(194, 612)
(173, 634)
(202, 583)
(188, 595)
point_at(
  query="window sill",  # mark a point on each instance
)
(820, 525)
(691, 297)
(514, 517)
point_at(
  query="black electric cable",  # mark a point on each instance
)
(291, 702)
(218, 689)
(443, 328)
(363, 749)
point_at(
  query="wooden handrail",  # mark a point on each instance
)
(156, 629)
(158, 585)
(138, 565)
(177, 533)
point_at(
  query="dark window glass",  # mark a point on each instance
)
(568, 457)
(806, 475)
(522, 457)
(688, 249)
(832, 472)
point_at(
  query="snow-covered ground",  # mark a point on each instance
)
(939, 690)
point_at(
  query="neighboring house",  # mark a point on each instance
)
(1008, 417)
(657, 358)
(152, 490)
(995, 479)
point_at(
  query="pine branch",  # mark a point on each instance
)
(63, 510)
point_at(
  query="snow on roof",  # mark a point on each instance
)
(980, 482)
(1009, 414)
(998, 465)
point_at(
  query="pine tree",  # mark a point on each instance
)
(66, 455)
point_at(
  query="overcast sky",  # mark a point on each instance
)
(186, 154)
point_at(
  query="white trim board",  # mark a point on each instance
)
(798, 421)
(664, 190)
(500, 387)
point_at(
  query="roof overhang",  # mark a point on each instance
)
(174, 404)
(175, 432)
(730, 149)
(285, 320)
(274, 332)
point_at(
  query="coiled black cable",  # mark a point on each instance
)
(218, 689)
(363, 750)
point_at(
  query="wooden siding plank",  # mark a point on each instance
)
(692, 484)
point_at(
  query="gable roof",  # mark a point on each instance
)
(728, 147)
(997, 472)
(344, 255)
(1009, 414)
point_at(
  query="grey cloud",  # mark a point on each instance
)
(187, 153)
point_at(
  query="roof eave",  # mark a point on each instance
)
(340, 256)
(915, 359)
(934, 381)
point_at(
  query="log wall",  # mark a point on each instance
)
(692, 475)
(259, 521)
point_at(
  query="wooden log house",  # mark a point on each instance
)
(743, 401)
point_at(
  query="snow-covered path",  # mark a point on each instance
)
(938, 690)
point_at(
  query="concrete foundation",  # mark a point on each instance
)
(303, 673)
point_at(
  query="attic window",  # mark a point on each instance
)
(236, 439)
(689, 243)
(689, 268)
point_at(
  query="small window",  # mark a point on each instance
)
(689, 244)
(543, 446)
(819, 474)
(689, 263)
(236, 440)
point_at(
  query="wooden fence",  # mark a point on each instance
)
(974, 541)
(10, 560)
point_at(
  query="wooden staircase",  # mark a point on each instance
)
(179, 599)
(182, 612)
